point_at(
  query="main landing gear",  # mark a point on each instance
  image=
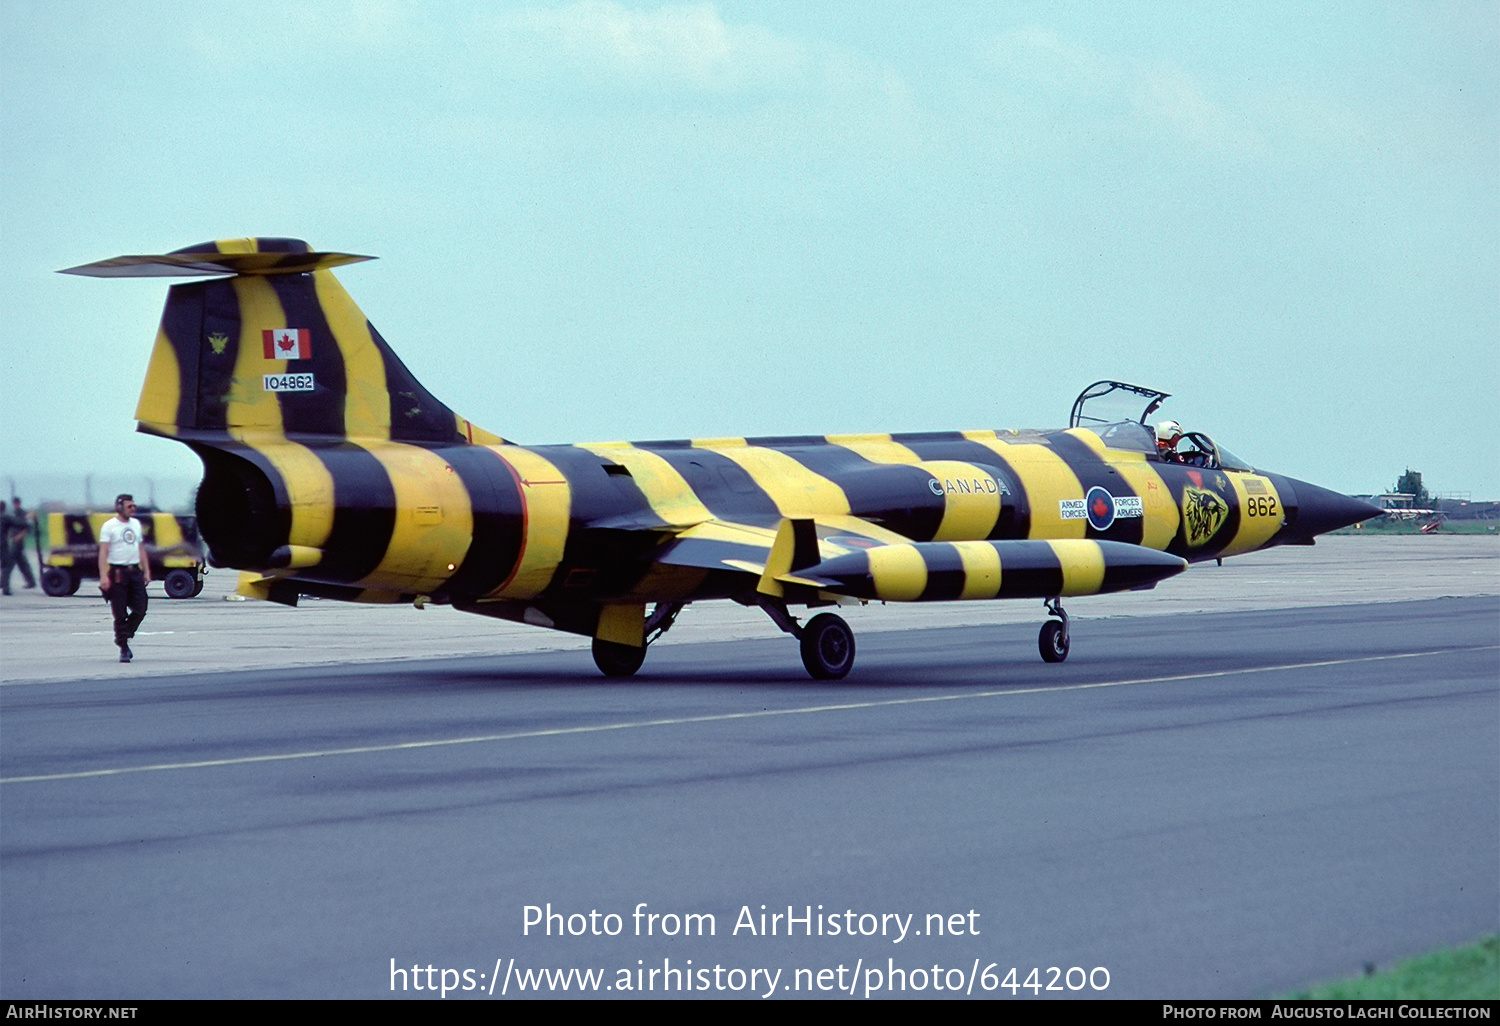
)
(1053, 640)
(617, 660)
(826, 640)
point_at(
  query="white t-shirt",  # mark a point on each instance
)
(124, 540)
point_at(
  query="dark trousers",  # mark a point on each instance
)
(127, 597)
(13, 556)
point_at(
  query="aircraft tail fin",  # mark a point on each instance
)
(278, 346)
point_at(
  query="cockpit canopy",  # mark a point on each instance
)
(1107, 408)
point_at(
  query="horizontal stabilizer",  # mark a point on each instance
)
(198, 263)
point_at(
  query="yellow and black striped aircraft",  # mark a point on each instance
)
(330, 471)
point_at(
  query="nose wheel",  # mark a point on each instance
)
(1053, 640)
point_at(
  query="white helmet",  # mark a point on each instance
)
(1168, 432)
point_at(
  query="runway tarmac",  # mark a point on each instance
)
(1200, 805)
(71, 639)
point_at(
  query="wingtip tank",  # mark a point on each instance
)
(937, 571)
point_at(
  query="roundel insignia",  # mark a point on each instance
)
(850, 541)
(1101, 508)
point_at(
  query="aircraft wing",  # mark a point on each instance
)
(729, 545)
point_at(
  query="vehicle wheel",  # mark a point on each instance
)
(73, 582)
(58, 582)
(180, 584)
(1053, 642)
(617, 660)
(198, 588)
(827, 647)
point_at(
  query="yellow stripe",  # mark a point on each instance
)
(309, 485)
(549, 501)
(1159, 510)
(899, 571)
(967, 516)
(1082, 566)
(1047, 479)
(434, 520)
(162, 392)
(237, 246)
(877, 448)
(797, 491)
(1254, 531)
(249, 404)
(624, 624)
(367, 401)
(668, 492)
(728, 531)
(1089, 439)
(981, 569)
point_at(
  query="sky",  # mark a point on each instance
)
(619, 220)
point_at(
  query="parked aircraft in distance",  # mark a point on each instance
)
(330, 471)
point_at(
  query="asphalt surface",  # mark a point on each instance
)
(1204, 805)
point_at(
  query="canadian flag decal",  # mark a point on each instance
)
(287, 343)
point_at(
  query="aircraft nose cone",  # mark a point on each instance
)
(1320, 510)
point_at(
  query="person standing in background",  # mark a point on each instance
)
(15, 527)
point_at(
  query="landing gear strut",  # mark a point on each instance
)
(826, 640)
(1053, 640)
(617, 660)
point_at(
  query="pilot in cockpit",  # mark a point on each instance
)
(1168, 434)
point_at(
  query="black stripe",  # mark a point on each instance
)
(1178, 480)
(495, 500)
(945, 573)
(894, 495)
(915, 438)
(416, 415)
(364, 515)
(221, 316)
(786, 441)
(1029, 569)
(321, 411)
(1093, 471)
(721, 484)
(1133, 575)
(612, 559)
(182, 321)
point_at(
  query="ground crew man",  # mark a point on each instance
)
(15, 527)
(124, 572)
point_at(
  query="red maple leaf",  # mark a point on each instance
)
(1101, 508)
(285, 342)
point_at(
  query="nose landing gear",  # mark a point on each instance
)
(1053, 640)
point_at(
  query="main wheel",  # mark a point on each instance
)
(57, 582)
(617, 660)
(180, 584)
(1053, 641)
(827, 647)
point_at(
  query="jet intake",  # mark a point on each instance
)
(935, 571)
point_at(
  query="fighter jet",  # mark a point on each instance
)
(330, 471)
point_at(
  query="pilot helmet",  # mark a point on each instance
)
(1168, 432)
